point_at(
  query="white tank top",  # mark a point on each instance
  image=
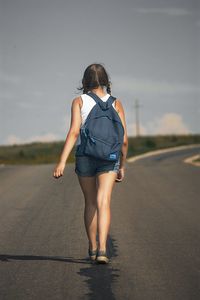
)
(88, 103)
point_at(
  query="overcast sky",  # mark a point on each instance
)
(150, 49)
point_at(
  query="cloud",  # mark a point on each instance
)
(131, 129)
(13, 139)
(169, 11)
(169, 123)
(143, 85)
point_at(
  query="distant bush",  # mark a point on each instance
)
(21, 153)
(142, 144)
(33, 153)
(149, 143)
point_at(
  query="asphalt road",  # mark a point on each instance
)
(154, 241)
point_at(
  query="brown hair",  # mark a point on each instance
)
(94, 76)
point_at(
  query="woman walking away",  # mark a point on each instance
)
(98, 130)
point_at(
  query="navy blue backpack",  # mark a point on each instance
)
(102, 133)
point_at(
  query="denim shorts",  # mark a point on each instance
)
(89, 166)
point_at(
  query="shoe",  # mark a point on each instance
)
(92, 254)
(102, 257)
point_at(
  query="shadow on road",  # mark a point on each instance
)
(99, 278)
(8, 257)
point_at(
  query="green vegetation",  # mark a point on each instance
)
(34, 153)
(149, 143)
(40, 153)
(197, 160)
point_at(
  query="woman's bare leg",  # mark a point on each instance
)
(88, 186)
(105, 186)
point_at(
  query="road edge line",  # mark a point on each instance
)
(160, 151)
(189, 160)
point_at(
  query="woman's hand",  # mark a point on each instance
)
(120, 175)
(59, 170)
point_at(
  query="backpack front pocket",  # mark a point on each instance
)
(100, 149)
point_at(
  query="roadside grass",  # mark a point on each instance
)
(197, 159)
(49, 152)
(145, 144)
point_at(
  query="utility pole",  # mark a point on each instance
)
(137, 121)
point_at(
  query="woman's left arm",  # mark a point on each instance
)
(121, 113)
(124, 149)
(71, 137)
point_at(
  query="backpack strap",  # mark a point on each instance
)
(104, 105)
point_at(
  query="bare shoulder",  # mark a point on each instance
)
(119, 106)
(77, 102)
(120, 111)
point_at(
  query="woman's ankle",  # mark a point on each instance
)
(92, 246)
(102, 248)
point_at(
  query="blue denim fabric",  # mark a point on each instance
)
(89, 166)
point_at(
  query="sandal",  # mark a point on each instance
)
(92, 254)
(102, 257)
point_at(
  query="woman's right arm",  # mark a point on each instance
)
(71, 137)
